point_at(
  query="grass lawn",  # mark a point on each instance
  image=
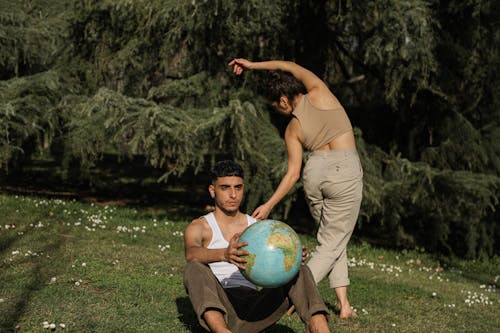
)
(86, 267)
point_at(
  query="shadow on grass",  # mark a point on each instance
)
(11, 318)
(188, 318)
(332, 308)
(37, 281)
(278, 328)
(6, 243)
(479, 273)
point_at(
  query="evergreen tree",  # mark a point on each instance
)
(86, 79)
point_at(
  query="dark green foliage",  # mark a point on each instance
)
(411, 204)
(174, 139)
(31, 35)
(392, 40)
(136, 45)
(28, 119)
(148, 80)
(461, 146)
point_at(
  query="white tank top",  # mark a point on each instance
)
(228, 274)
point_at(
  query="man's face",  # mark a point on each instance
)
(227, 193)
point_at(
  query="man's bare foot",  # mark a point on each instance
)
(215, 321)
(318, 324)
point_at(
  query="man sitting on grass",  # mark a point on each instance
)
(224, 301)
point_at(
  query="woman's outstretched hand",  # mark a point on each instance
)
(240, 65)
(261, 212)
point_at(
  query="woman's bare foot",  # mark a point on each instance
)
(343, 303)
(347, 313)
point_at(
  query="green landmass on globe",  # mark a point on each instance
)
(250, 263)
(283, 242)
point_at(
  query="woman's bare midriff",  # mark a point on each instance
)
(345, 141)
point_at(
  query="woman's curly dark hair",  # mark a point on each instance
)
(279, 83)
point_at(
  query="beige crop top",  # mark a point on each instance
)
(320, 127)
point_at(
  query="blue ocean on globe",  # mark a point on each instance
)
(275, 253)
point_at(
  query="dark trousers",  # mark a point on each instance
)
(248, 310)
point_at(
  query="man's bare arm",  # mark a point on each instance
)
(194, 237)
(193, 245)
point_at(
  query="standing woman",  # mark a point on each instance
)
(332, 176)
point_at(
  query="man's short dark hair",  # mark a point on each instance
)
(226, 168)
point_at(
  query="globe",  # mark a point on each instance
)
(275, 253)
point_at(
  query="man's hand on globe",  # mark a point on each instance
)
(233, 254)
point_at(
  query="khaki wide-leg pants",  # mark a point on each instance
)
(333, 184)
